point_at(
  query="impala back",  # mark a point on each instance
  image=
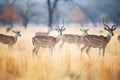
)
(6, 39)
(71, 38)
(44, 41)
(95, 41)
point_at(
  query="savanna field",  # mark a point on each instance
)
(64, 64)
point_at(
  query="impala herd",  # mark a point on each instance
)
(42, 39)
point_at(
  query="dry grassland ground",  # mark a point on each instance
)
(67, 64)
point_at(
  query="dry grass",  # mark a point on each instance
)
(67, 64)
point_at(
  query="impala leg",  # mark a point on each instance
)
(50, 51)
(9, 46)
(61, 45)
(87, 51)
(82, 49)
(99, 51)
(82, 40)
(33, 50)
(103, 52)
(36, 49)
(78, 46)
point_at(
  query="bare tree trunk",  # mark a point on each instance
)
(49, 14)
(25, 22)
(51, 10)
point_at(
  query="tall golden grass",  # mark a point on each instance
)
(67, 64)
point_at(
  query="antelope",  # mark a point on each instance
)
(96, 41)
(9, 40)
(68, 38)
(45, 42)
(118, 37)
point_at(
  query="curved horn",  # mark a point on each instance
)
(62, 27)
(57, 28)
(105, 24)
(113, 27)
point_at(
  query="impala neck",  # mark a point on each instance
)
(15, 38)
(57, 39)
(108, 37)
(60, 36)
(85, 33)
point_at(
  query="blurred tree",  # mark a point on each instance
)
(28, 13)
(51, 9)
(86, 12)
(52, 6)
(9, 14)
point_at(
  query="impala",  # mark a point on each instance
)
(68, 38)
(9, 40)
(98, 41)
(45, 42)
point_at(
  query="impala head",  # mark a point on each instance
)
(60, 29)
(110, 30)
(107, 28)
(84, 30)
(17, 33)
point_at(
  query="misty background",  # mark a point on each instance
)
(49, 12)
